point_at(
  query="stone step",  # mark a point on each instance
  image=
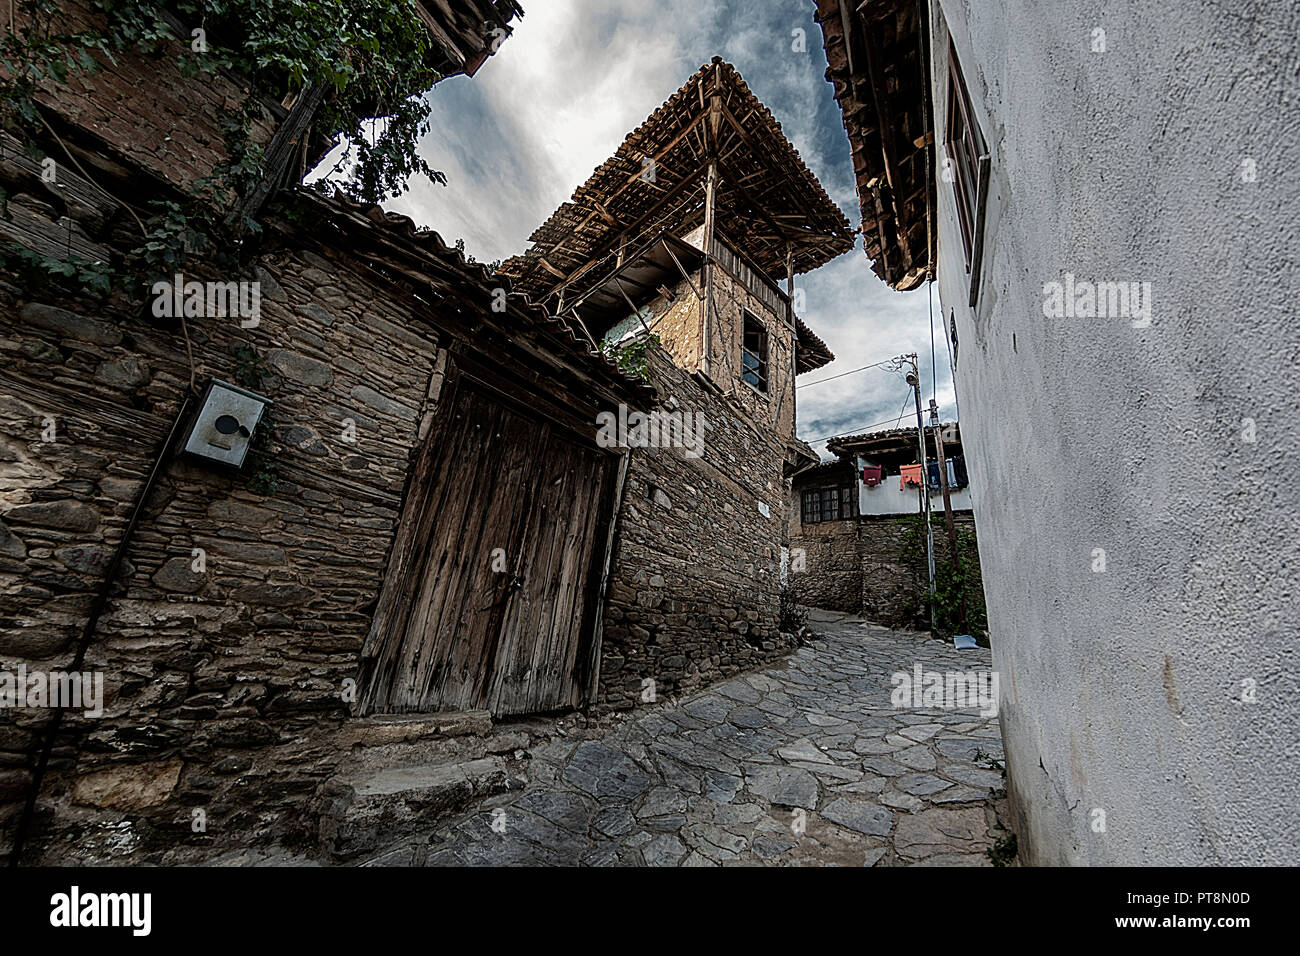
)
(381, 729)
(404, 772)
(366, 811)
(405, 740)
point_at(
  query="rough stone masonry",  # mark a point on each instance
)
(238, 617)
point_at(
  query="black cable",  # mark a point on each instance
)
(857, 431)
(934, 372)
(46, 737)
(842, 374)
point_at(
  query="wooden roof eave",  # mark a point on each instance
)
(591, 224)
(857, 65)
(562, 348)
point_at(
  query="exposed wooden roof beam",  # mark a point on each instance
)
(886, 127)
(638, 174)
(604, 250)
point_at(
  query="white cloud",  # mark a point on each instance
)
(575, 78)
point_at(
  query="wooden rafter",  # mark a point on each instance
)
(769, 198)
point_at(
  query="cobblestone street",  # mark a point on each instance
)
(805, 763)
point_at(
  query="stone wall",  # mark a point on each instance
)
(220, 684)
(825, 566)
(893, 570)
(873, 565)
(695, 582)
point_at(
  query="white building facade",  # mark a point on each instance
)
(1113, 226)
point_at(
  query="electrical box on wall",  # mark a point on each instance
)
(223, 429)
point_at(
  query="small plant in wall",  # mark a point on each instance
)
(1004, 850)
(791, 616)
(632, 358)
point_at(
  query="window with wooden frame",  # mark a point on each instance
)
(967, 167)
(827, 504)
(753, 353)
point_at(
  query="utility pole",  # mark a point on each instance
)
(947, 505)
(914, 379)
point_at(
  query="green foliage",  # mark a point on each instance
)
(172, 233)
(1004, 850)
(37, 271)
(264, 479)
(791, 616)
(631, 358)
(374, 57)
(955, 580)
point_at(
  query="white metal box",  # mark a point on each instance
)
(224, 427)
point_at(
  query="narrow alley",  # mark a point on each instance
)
(802, 764)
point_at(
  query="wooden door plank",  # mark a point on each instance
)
(470, 581)
(421, 655)
(478, 624)
(588, 673)
(532, 513)
(581, 612)
(389, 625)
(553, 623)
(515, 666)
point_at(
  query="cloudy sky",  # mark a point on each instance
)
(578, 75)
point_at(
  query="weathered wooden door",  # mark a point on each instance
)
(491, 597)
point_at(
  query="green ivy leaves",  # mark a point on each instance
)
(631, 358)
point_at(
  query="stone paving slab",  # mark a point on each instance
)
(804, 764)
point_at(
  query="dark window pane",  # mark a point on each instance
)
(753, 353)
(964, 145)
(830, 504)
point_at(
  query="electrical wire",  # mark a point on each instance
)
(934, 371)
(863, 428)
(902, 410)
(832, 378)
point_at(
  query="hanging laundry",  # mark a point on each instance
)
(909, 476)
(952, 476)
(933, 468)
(872, 475)
(959, 472)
